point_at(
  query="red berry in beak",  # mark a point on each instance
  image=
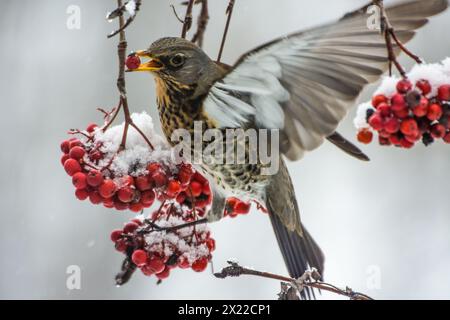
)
(133, 61)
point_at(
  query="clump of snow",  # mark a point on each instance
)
(130, 6)
(361, 115)
(180, 241)
(137, 154)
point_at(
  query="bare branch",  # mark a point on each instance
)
(229, 12)
(187, 19)
(309, 279)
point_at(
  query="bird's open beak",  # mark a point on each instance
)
(151, 65)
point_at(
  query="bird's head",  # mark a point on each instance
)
(175, 60)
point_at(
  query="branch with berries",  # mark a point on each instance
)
(291, 287)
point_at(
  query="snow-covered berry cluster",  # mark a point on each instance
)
(406, 111)
(131, 178)
(164, 241)
(235, 207)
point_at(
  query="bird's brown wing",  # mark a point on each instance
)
(305, 83)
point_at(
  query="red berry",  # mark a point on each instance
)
(75, 143)
(406, 144)
(81, 194)
(107, 189)
(95, 197)
(400, 111)
(183, 263)
(152, 167)
(434, 112)
(119, 205)
(77, 152)
(444, 92)
(156, 264)
(72, 166)
(378, 99)
(143, 183)
(414, 138)
(65, 146)
(195, 188)
(125, 194)
(206, 189)
(121, 245)
(130, 227)
(384, 109)
(365, 136)
(147, 198)
(139, 257)
(136, 207)
(409, 127)
(132, 62)
(185, 173)
(211, 244)
(438, 131)
(64, 158)
(395, 140)
(173, 188)
(146, 270)
(421, 109)
(242, 207)
(95, 155)
(116, 235)
(163, 274)
(384, 141)
(181, 197)
(404, 86)
(424, 86)
(198, 177)
(159, 178)
(91, 128)
(447, 137)
(392, 125)
(398, 100)
(79, 180)
(376, 122)
(94, 178)
(200, 265)
(108, 203)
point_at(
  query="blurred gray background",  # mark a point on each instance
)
(383, 225)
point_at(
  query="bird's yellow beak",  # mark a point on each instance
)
(152, 65)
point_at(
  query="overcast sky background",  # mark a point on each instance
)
(387, 219)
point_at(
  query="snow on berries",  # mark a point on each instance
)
(165, 240)
(406, 111)
(130, 178)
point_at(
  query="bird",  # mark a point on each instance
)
(302, 85)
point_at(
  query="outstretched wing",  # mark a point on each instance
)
(305, 83)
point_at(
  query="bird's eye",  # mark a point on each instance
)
(177, 60)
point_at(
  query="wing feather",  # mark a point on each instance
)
(304, 83)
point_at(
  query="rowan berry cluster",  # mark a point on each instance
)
(164, 241)
(410, 112)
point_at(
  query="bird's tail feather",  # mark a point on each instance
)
(300, 251)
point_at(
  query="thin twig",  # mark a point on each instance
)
(235, 270)
(119, 13)
(229, 12)
(202, 23)
(176, 13)
(187, 19)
